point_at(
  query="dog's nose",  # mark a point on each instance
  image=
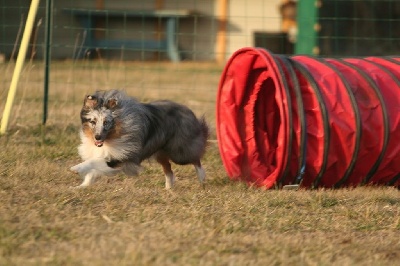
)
(97, 137)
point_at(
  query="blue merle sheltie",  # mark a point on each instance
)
(118, 133)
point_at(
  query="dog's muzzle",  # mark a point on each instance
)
(98, 143)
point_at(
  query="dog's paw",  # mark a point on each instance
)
(81, 186)
(169, 181)
(75, 169)
(75, 187)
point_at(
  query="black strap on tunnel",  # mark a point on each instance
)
(385, 117)
(389, 72)
(356, 111)
(290, 118)
(302, 119)
(389, 59)
(394, 180)
(324, 113)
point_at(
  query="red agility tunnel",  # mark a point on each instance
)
(309, 121)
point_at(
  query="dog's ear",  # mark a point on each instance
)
(111, 103)
(90, 102)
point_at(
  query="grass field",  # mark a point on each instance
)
(135, 221)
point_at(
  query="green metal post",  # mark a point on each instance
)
(308, 27)
(49, 8)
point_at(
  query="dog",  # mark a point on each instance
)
(118, 133)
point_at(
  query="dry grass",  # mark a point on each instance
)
(135, 221)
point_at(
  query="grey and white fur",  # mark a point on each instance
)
(118, 133)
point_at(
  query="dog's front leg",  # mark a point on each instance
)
(86, 171)
(83, 168)
(93, 168)
(88, 179)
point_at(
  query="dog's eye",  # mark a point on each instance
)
(93, 122)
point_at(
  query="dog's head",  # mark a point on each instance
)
(98, 117)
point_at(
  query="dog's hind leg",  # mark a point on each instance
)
(201, 174)
(166, 165)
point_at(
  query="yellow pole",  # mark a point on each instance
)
(221, 35)
(18, 65)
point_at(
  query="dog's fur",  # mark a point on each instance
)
(118, 133)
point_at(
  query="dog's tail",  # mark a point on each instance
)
(205, 130)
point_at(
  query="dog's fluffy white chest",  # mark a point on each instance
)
(110, 150)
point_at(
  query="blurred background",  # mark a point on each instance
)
(174, 49)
